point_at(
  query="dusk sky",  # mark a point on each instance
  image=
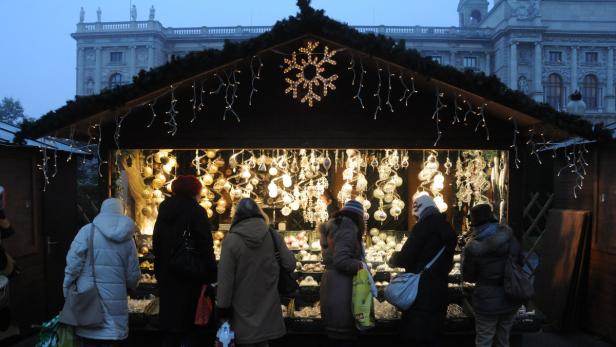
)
(37, 63)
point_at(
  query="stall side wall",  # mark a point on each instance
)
(598, 305)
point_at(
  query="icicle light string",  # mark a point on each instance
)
(221, 84)
(194, 102)
(407, 92)
(377, 93)
(201, 93)
(533, 146)
(172, 113)
(436, 115)
(90, 139)
(71, 138)
(255, 75)
(514, 145)
(44, 167)
(482, 122)
(456, 109)
(231, 94)
(388, 103)
(118, 128)
(469, 110)
(101, 162)
(352, 69)
(151, 105)
(360, 84)
(55, 163)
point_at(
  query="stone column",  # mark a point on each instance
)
(452, 58)
(513, 68)
(610, 96)
(488, 63)
(80, 66)
(574, 66)
(537, 76)
(98, 83)
(132, 67)
(151, 56)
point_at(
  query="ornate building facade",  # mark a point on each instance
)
(546, 48)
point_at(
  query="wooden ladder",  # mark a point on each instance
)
(535, 219)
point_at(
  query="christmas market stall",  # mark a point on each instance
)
(310, 107)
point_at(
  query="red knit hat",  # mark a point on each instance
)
(187, 185)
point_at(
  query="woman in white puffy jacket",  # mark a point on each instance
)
(116, 269)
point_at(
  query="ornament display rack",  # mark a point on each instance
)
(288, 183)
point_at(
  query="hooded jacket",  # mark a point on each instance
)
(485, 256)
(116, 266)
(248, 278)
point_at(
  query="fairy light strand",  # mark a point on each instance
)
(514, 145)
(360, 84)
(352, 69)
(533, 146)
(255, 75)
(436, 115)
(151, 105)
(469, 110)
(99, 154)
(456, 109)
(407, 92)
(71, 138)
(231, 88)
(194, 102)
(44, 167)
(388, 103)
(482, 122)
(55, 163)
(172, 113)
(377, 93)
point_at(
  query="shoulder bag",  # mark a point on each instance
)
(518, 283)
(186, 258)
(287, 285)
(83, 308)
(402, 290)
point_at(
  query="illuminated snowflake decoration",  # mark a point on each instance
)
(309, 73)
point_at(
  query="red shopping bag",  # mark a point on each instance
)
(204, 308)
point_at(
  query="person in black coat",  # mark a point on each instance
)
(179, 294)
(485, 256)
(423, 321)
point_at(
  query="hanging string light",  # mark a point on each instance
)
(514, 145)
(360, 85)
(194, 102)
(44, 167)
(55, 162)
(151, 105)
(456, 109)
(172, 113)
(469, 110)
(482, 122)
(255, 74)
(533, 146)
(436, 115)
(231, 94)
(352, 69)
(71, 139)
(407, 92)
(99, 150)
(388, 103)
(377, 93)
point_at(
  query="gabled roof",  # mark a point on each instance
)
(310, 22)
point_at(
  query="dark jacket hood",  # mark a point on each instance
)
(491, 243)
(252, 230)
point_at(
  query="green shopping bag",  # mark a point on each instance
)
(67, 337)
(362, 305)
(48, 336)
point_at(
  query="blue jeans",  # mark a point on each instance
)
(493, 330)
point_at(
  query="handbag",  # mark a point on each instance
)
(186, 259)
(204, 308)
(402, 290)
(83, 308)
(287, 285)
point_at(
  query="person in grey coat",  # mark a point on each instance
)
(248, 277)
(341, 244)
(116, 266)
(485, 256)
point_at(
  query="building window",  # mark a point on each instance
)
(115, 57)
(470, 62)
(556, 57)
(554, 91)
(475, 17)
(115, 80)
(89, 87)
(590, 92)
(437, 58)
(592, 57)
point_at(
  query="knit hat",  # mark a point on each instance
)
(354, 206)
(188, 186)
(421, 202)
(482, 214)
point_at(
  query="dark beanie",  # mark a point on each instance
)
(482, 214)
(354, 206)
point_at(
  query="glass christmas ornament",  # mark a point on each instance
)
(273, 171)
(295, 205)
(388, 198)
(380, 215)
(148, 172)
(347, 187)
(246, 173)
(212, 169)
(157, 193)
(227, 186)
(399, 203)
(146, 211)
(389, 187)
(208, 179)
(378, 193)
(220, 209)
(395, 211)
(397, 180)
(146, 193)
(286, 211)
(287, 181)
(367, 204)
(210, 153)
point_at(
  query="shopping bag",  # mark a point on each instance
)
(66, 336)
(225, 337)
(204, 308)
(402, 290)
(48, 336)
(362, 303)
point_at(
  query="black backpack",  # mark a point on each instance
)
(518, 283)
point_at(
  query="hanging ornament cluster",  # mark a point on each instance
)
(472, 181)
(498, 177)
(309, 73)
(389, 181)
(209, 168)
(158, 170)
(355, 182)
(432, 181)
